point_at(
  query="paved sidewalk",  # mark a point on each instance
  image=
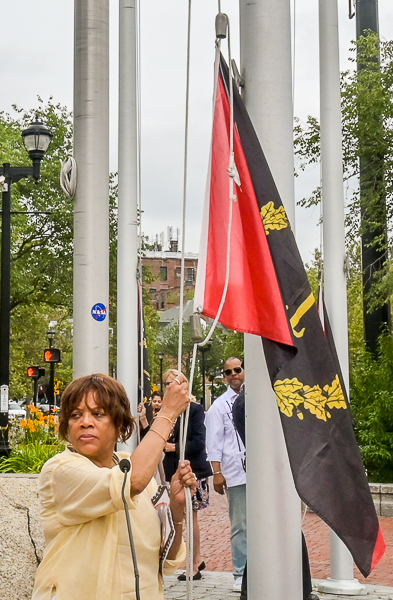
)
(218, 586)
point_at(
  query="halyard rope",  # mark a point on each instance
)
(184, 417)
(232, 198)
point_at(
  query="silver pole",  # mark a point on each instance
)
(91, 219)
(341, 580)
(127, 252)
(273, 521)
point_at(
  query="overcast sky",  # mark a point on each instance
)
(36, 44)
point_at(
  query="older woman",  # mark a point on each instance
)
(87, 554)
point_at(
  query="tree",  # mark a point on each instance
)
(41, 242)
(367, 125)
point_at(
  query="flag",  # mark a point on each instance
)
(268, 283)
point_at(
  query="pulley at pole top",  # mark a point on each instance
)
(221, 26)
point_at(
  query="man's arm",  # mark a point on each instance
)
(219, 481)
(214, 446)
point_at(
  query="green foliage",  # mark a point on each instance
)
(367, 128)
(168, 345)
(41, 245)
(29, 458)
(372, 407)
(234, 345)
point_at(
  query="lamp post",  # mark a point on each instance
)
(36, 139)
(203, 350)
(51, 395)
(161, 358)
(213, 373)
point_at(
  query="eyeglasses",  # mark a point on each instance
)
(229, 372)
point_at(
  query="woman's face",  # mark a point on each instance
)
(92, 433)
(156, 402)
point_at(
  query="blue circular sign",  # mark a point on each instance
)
(98, 312)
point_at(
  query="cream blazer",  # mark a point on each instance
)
(87, 554)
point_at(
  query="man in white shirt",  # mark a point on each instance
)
(227, 455)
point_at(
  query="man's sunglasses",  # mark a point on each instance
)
(229, 372)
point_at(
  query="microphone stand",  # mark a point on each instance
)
(125, 467)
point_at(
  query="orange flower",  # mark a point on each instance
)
(33, 408)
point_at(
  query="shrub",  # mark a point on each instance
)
(29, 458)
(372, 407)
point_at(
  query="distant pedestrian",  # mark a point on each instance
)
(227, 455)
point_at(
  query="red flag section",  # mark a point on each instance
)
(269, 295)
(253, 303)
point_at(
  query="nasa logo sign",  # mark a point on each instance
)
(98, 312)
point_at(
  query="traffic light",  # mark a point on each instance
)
(52, 355)
(35, 372)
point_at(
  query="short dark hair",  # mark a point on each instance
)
(109, 395)
(156, 393)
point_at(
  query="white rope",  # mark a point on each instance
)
(232, 172)
(68, 176)
(185, 416)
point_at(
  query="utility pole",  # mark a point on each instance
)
(374, 255)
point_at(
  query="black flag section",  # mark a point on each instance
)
(324, 456)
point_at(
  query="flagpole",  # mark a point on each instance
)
(127, 250)
(273, 507)
(341, 579)
(91, 211)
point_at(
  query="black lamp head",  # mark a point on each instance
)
(36, 138)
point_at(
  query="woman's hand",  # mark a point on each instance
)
(141, 409)
(176, 398)
(169, 447)
(184, 477)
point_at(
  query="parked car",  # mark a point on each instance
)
(14, 410)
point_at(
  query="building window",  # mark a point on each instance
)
(162, 301)
(191, 274)
(163, 273)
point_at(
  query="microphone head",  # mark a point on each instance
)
(125, 465)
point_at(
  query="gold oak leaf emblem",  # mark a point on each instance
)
(287, 396)
(335, 395)
(273, 218)
(314, 401)
(291, 393)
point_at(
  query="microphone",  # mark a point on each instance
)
(125, 467)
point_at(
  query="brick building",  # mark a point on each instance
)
(166, 268)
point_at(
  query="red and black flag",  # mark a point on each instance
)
(269, 295)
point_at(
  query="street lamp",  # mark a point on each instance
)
(161, 358)
(203, 350)
(213, 373)
(51, 395)
(36, 139)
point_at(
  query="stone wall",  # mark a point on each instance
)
(382, 494)
(21, 539)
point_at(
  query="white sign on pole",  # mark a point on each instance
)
(4, 399)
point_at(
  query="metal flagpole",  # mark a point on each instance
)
(273, 507)
(127, 253)
(91, 213)
(341, 580)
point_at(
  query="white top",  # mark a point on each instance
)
(223, 443)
